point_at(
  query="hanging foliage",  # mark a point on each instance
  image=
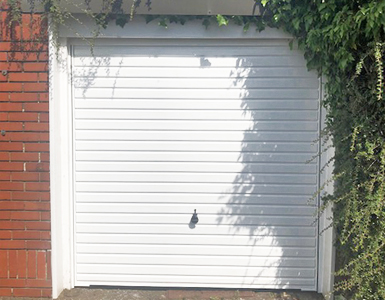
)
(344, 40)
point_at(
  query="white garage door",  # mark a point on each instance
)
(224, 127)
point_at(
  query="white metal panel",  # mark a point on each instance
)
(164, 128)
(176, 135)
(192, 61)
(206, 104)
(193, 260)
(175, 72)
(191, 281)
(192, 156)
(196, 270)
(254, 231)
(204, 220)
(193, 239)
(215, 188)
(178, 83)
(198, 167)
(191, 177)
(199, 249)
(194, 281)
(219, 94)
(113, 209)
(230, 199)
(274, 147)
(189, 48)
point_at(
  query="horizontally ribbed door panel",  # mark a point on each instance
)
(228, 128)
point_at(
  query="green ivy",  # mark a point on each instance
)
(344, 40)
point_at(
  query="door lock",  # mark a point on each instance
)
(194, 218)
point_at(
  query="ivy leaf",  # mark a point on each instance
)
(238, 20)
(343, 63)
(163, 23)
(47, 6)
(246, 27)
(173, 19)
(222, 20)
(150, 18)
(182, 21)
(308, 22)
(264, 2)
(296, 22)
(260, 25)
(121, 20)
(206, 23)
(101, 20)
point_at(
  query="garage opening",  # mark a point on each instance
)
(224, 128)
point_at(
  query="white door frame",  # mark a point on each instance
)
(61, 131)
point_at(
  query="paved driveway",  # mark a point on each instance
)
(156, 294)
(146, 294)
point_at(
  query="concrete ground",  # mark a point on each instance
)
(156, 294)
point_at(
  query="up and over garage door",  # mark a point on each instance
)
(224, 127)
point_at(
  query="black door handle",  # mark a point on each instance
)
(194, 218)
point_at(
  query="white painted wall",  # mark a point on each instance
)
(61, 169)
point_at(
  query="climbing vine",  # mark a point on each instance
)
(344, 40)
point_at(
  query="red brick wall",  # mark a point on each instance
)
(24, 158)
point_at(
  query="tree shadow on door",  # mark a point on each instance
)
(271, 199)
